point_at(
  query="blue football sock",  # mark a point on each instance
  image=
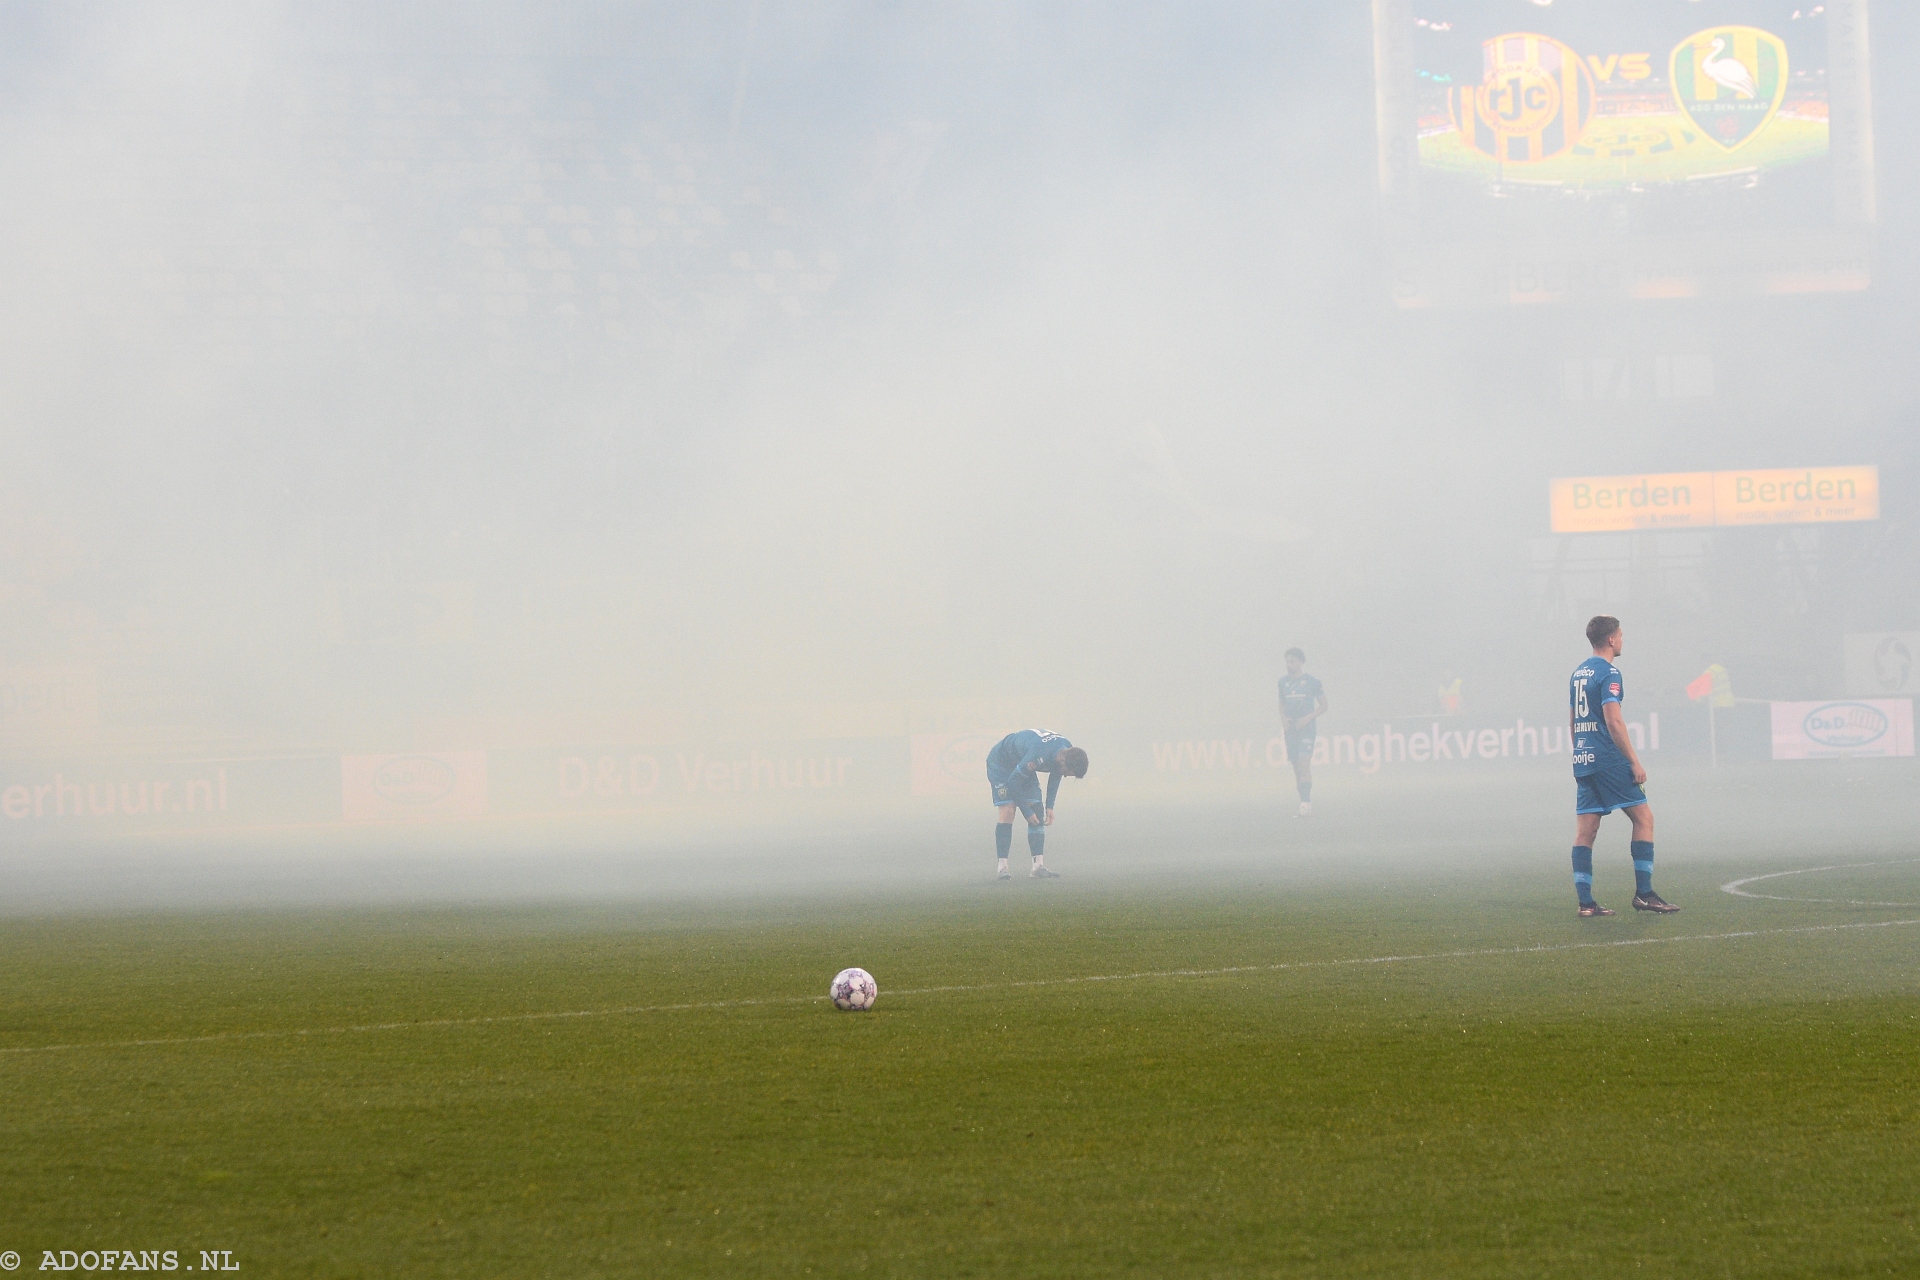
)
(1003, 838)
(1304, 785)
(1583, 872)
(1036, 840)
(1643, 866)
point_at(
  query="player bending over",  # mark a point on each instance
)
(1302, 703)
(1012, 768)
(1607, 773)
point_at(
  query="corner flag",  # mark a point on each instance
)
(1713, 683)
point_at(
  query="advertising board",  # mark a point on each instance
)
(417, 786)
(47, 703)
(640, 778)
(1698, 499)
(1597, 504)
(1880, 664)
(1431, 743)
(1842, 730)
(64, 795)
(947, 764)
(1816, 495)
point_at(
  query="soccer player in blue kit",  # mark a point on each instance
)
(1012, 769)
(1607, 773)
(1302, 703)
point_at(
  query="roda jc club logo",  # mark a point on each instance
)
(1532, 104)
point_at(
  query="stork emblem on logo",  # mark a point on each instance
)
(1533, 101)
(1729, 82)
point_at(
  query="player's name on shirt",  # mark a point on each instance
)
(1593, 684)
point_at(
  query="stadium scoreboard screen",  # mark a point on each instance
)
(1539, 150)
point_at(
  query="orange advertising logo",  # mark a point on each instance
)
(1813, 495)
(1698, 499)
(1604, 504)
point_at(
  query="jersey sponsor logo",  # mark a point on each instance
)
(1584, 757)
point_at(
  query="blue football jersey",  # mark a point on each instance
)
(1595, 683)
(1016, 750)
(1299, 695)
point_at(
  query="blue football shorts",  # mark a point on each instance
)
(1606, 791)
(1300, 743)
(1021, 788)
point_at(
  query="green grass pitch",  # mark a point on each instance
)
(1709, 1106)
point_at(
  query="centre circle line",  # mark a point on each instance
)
(1734, 886)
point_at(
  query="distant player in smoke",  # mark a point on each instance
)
(1302, 702)
(1607, 773)
(1013, 767)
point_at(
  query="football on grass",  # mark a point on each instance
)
(853, 989)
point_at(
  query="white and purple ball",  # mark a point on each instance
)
(853, 990)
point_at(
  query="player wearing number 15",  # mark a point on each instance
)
(1607, 773)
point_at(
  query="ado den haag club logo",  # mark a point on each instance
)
(1729, 81)
(1532, 103)
(414, 780)
(1846, 724)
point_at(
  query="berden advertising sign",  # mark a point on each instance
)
(1840, 730)
(1704, 499)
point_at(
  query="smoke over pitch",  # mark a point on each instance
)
(538, 412)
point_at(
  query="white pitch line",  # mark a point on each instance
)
(217, 1036)
(1733, 886)
(1432, 955)
(629, 1010)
